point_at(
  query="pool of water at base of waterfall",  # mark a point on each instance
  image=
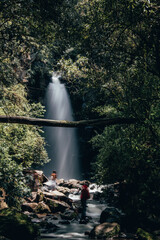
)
(75, 230)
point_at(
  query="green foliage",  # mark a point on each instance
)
(119, 41)
(143, 235)
(108, 53)
(131, 154)
(21, 146)
(26, 27)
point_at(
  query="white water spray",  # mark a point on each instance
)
(62, 142)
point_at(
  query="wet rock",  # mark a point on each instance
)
(56, 195)
(143, 235)
(127, 236)
(72, 183)
(32, 176)
(3, 204)
(29, 207)
(64, 222)
(85, 182)
(56, 206)
(97, 196)
(41, 215)
(42, 176)
(69, 215)
(110, 214)
(60, 181)
(64, 190)
(36, 196)
(157, 233)
(39, 196)
(75, 191)
(105, 230)
(42, 208)
(48, 227)
(17, 226)
(48, 224)
(93, 186)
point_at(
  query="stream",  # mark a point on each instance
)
(75, 230)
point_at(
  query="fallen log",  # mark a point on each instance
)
(64, 123)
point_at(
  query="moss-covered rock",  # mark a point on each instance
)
(56, 206)
(42, 208)
(105, 230)
(143, 235)
(17, 226)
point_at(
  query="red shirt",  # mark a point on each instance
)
(85, 193)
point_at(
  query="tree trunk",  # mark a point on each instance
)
(63, 123)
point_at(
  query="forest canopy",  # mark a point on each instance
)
(108, 54)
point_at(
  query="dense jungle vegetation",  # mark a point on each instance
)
(108, 53)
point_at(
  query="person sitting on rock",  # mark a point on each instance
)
(53, 179)
(84, 197)
(51, 184)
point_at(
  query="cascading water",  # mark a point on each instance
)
(62, 142)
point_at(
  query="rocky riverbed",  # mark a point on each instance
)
(56, 214)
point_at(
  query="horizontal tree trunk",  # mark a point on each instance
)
(63, 123)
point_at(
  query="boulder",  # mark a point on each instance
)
(97, 196)
(35, 178)
(143, 235)
(3, 204)
(56, 206)
(42, 208)
(64, 190)
(29, 206)
(105, 230)
(110, 214)
(36, 196)
(72, 183)
(60, 181)
(56, 195)
(84, 182)
(17, 226)
(48, 226)
(69, 215)
(64, 222)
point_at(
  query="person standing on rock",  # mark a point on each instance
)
(36, 180)
(84, 197)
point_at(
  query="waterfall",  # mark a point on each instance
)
(62, 142)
